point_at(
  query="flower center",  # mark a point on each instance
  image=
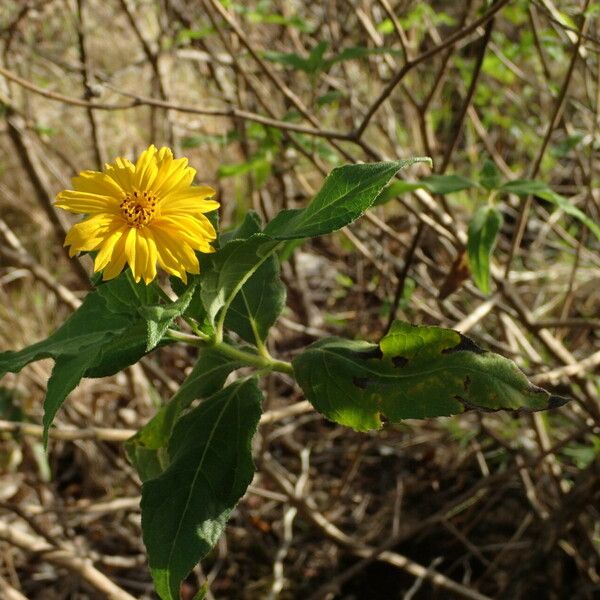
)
(138, 208)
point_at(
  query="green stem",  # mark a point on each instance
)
(253, 360)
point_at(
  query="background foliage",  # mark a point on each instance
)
(499, 240)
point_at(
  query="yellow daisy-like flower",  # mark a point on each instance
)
(141, 214)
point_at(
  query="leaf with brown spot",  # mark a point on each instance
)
(415, 372)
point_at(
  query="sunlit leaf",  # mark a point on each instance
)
(415, 372)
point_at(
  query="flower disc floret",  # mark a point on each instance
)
(143, 214)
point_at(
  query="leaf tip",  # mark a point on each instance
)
(557, 401)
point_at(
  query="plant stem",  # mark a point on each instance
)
(254, 360)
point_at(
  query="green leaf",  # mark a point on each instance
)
(446, 184)
(147, 448)
(66, 374)
(123, 349)
(230, 268)
(416, 372)
(436, 184)
(482, 234)
(347, 192)
(526, 187)
(159, 317)
(261, 299)
(489, 177)
(113, 328)
(88, 326)
(77, 346)
(311, 65)
(184, 510)
(356, 52)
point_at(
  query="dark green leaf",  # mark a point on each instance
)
(122, 350)
(526, 187)
(483, 231)
(66, 374)
(146, 449)
(230, 268)
(261, 299)
(88, 326)
(415, 372)
(347, 192)
(184, 510)
(107, 333)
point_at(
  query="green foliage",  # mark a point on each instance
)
(489, 177)
(194, 455)
(230, 268)
(114, 327)
(185, 509)
(415, 372)
(436, 184)
(262, 297)
(346, 193)
(147, 448)
(316, 61)
(483, 231)
(526, 187)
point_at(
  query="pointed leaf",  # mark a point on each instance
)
(347, 192)
(525, 187)
(184, 510)
(416, 372)
(446, 184)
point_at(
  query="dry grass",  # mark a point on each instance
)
(483, 505)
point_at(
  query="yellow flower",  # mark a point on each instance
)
(141, 214)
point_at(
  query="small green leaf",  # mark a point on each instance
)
(146, 449)
(436, 184)
(489, 177)
(483, 231)
(158, 318)
(184, 510)
(347, 192)
(447, 184)
(526, 187)
(416, 372)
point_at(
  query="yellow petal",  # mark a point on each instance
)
(145, 169)
(121, 171)
(197, 231)
(146, 236)
(91, 233)
(107, 249)
(140, 250)
(193, 200)
(174, 255)
(86, 203)
(94, 182)
(117, 260)
(173, 174)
